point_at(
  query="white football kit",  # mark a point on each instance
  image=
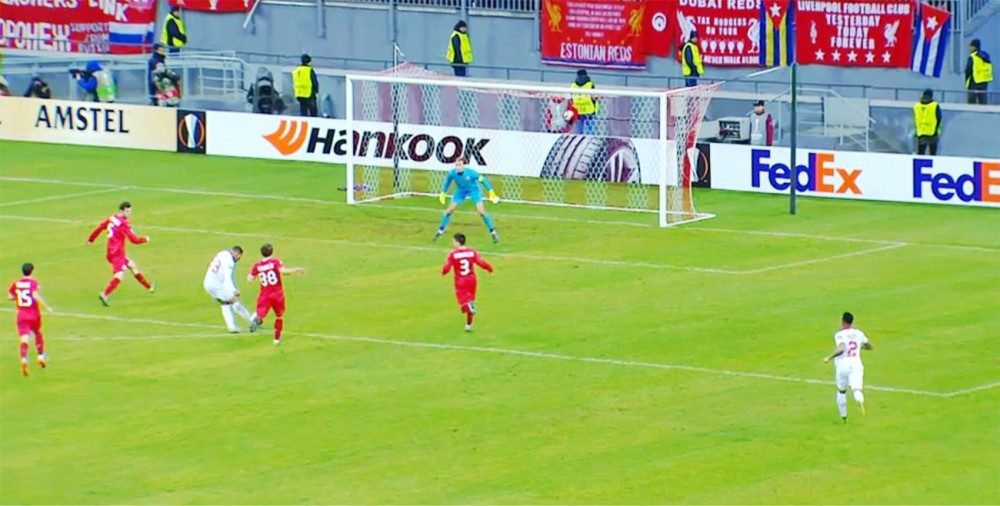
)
(850, 371)
(220, 280)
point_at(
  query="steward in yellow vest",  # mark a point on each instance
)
(978, 74)
(459, 53)
(306, 87)
(927, 123)
(174, 34)
(585, 105)
(691, 65)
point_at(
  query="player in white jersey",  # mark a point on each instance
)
(849, 370)
(220, 283)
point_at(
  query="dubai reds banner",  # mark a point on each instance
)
(593, 33)
(78, 26)
(214, 5)
(855, 33)
(728, 30)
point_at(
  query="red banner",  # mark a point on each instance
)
(855, 33)
(658, 27)
(78, 26)
(214, 5)
(728, 32)
(593, 33)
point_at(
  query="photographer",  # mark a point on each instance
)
(168, 86)
(96, 82)
(38, 88)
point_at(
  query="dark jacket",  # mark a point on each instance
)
(88, 82)
(582, 80)
(456, 45)
(38, 88)
(968, 65)
(151, 70)
(174, 32)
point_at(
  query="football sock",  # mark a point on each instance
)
(859, 396)
(488, 220)
(278, 325)
(39, 343)
(842, 403)
(468, 317)
(143, 281)
(242, 311)
(227, 315)
(24, 350)
(112, 286)
(444, 221)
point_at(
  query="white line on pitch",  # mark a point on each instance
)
(59, 197)
(521, 353)
(766, 233)
(145, 338)
(814, 261)
(973, 389)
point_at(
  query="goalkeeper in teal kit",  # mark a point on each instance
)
(467, 183)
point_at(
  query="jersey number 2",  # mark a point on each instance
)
(464, 267)
(852, 349)
(24, 298)
(268, 278)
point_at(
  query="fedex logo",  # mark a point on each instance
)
(983, 185)
(821, 174)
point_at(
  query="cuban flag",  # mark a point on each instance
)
(129, 38)
(931, 40)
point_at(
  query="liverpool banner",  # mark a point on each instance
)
(855, 33)
(79, 26)
(728, 32)
(593, 33)
(214, 5)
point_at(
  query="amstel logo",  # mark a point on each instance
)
(289, 137)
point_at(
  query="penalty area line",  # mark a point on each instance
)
(59, 197)
(165, 337)
(534, 354)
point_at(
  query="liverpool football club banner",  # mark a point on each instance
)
(728, 31)
(593, 33)
(855, 33)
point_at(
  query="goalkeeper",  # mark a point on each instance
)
(467, 183)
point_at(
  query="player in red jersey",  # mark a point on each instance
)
(26, 296)
(272, 294)
(464, 261)
(119, 229)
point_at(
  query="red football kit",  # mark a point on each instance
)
(464, 261)
(29, 318)
(118, 229)
(272, 294)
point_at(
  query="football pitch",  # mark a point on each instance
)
(613, 362)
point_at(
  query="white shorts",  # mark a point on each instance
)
(220, 292)
(850, 376)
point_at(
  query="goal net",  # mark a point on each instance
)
(635, 153)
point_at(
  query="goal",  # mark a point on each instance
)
(636, 153)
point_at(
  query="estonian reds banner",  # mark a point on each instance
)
(214, 5)
(593, 33)
(728, 30)
(78, 26)
(877, 33)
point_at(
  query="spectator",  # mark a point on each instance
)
(691, 65)
(159, 57)
(168, 86)
(584, 104)
(978, 73)
(174, 34)
(306, 87)
(96, 82)
(761, 126)
(927, 123)
(38, 88)
(459, 52)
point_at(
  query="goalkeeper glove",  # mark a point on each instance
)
(494, 198)
(442, 198)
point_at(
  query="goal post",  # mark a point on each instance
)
(633, 154)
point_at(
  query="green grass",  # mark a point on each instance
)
(563, 394)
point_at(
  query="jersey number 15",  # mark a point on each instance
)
(24, 298)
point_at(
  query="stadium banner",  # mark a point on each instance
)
(859, 175)
(88, 123)
(855, 33)
(728, 32)
(593, 33)
(213, 5)
(78, 26)
(424, 147)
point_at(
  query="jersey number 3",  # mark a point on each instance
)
(464, 267)
(269, 278)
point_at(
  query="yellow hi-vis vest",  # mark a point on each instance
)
(302, 81)
(982, 72)
(584, 104)
(106, 90)
(696, 56)
(464, 44)
(925, 118)
(165, 34)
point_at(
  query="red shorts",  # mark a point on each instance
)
(119, 263)
(268, 303)
(28, 326)
(465, 292)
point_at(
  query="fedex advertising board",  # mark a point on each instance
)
(858, 175)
